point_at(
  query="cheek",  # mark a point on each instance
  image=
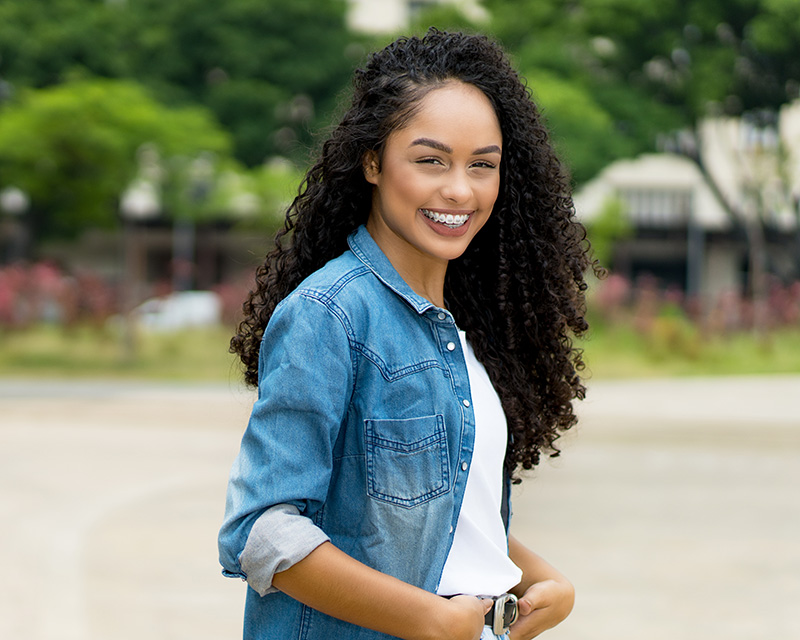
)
(399, 181)
(415, 188)
(490, 191)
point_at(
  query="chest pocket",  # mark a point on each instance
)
(407, 461)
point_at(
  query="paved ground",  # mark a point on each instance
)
(674, 509)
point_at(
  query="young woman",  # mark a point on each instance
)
(409, 336)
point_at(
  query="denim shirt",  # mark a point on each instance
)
(363, 423)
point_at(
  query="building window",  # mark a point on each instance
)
(658, 208)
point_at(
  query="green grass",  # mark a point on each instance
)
(668, 348)
(47, 351)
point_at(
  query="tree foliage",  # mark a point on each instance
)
(271, 71)
(606, 229)
(650, 67)
(73, 147)
(609, 75)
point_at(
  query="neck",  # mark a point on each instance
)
(430, 287)
(422, 272)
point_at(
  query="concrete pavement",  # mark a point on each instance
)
(674, 509)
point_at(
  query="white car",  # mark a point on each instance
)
(180, 310)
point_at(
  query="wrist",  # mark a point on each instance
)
(435, 618)
(445, 618)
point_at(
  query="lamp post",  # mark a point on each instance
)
(139, 202)
(200, 174)
(15, 202)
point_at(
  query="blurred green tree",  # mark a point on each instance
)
(582, 129)
(270, 70)
(610, 74)
(445, 17)
(649, 67)
(41, 41)
(73, 147)
(607, 228)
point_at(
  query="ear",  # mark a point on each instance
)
(371, 166)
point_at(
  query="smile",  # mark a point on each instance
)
(447, 219)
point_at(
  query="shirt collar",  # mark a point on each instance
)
(368, 252)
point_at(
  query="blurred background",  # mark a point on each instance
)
(148, 150)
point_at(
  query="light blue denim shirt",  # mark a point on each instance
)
(362, 433)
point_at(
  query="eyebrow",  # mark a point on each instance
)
(440, 146)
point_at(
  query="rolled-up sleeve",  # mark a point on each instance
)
(279, 538)
(280, 478)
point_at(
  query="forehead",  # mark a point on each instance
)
(456, 111)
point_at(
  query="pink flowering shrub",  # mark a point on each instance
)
(42, 292)
(645, 305)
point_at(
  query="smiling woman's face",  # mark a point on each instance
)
(438, 177)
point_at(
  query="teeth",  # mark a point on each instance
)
(447, 219)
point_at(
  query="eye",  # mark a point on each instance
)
(429, 161)
(484, 164)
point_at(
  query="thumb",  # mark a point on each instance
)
(487, 603)
(524, 606)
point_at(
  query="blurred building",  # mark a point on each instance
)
(391, 16)
(698, 213)
(220, 254)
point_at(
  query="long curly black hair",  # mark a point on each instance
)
(517, 291)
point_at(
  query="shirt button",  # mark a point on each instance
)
(464, 466)
(451, 531)
(451, 346)
(442, 315)
(465, 402)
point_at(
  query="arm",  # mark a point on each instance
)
(281, 479)
(545, 595)
(334, 583)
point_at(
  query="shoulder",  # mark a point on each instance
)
(337, 293)
(338, 274)
(345, 286)
(309, 325)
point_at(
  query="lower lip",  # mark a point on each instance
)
(444, 230)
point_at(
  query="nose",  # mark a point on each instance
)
(457, 187)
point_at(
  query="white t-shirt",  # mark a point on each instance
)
(478, 563)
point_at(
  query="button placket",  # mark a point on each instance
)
(461, 389)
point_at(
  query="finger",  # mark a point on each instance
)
(531, 600)
(524, 606)
(484, 603)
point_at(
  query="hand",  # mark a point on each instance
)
(466, 618)
(542, 607)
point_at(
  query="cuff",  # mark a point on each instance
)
(280, 538)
